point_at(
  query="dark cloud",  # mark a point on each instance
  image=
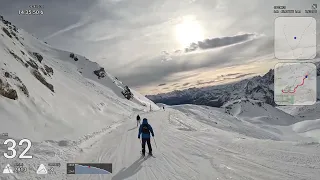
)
(218, 42)
(185, 84)
(162, 84)
(233, 74)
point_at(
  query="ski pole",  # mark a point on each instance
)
(155, 142)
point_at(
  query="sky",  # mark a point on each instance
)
(159, 46)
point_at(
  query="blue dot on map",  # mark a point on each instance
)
(306, 76)
(295, 37)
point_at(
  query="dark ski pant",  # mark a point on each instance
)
(144, 141)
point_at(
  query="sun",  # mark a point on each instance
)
(188, 31)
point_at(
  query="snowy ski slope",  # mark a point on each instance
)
(190, 148)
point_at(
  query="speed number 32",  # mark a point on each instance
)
(11, 148)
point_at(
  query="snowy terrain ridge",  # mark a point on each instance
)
(247, 109)
(75, 112)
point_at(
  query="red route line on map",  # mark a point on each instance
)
(294, 90)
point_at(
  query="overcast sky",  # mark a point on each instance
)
(146, 43)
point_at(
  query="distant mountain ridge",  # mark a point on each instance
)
(257, 88)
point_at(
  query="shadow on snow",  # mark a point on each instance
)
(129, 171)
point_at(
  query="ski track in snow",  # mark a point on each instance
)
(184, 155)
(198, 154)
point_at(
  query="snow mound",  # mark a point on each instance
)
(304, 112)
(305, 126)
(258, 112)
(308, 128)
(219, 120)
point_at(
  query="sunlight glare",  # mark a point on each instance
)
(188, 31)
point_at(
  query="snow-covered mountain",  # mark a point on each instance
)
(73, 111)
(49, 89)
(258, 88)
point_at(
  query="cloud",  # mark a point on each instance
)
(69, 28)
(230, 74)
(214, 76)
(162, 84)
(219, 42)
(146, 73)
(166, 56)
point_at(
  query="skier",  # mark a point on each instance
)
(163, 108)
(138, 120)
(144, 130)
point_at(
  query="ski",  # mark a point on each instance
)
(146, 156)
(142, 155)
(151, 155)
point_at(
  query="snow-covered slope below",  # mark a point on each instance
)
(287, 124)
(59, 104)
(310, 127)
(192, 143)
(304, 112)
(258, 112)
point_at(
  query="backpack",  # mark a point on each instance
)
(145, 129)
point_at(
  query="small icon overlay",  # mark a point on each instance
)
(7, 169)
(314, 6)
(42, 169)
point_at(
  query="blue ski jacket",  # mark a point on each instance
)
(145, 135)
